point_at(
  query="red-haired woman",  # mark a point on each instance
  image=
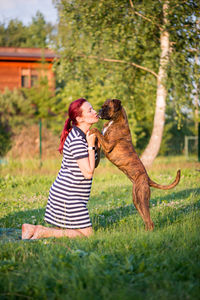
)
(66, 208)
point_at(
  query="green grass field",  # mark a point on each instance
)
(121, 260)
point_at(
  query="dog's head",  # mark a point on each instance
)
(109, 109)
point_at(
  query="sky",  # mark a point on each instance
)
(24, 10)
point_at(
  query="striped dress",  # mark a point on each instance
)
(69, 194)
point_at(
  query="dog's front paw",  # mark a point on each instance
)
(93, 131)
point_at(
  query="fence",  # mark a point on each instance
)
(191, 148)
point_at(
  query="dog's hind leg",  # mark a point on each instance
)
(135, 201)
(141, 196)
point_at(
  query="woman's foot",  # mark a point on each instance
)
(35, 232)
(27, 231)
(46, 232)
(39, 232)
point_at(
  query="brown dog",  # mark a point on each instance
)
(117, 145)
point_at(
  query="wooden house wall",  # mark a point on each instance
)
(11, 72)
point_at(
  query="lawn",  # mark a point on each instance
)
(121, 260)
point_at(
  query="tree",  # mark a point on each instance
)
(13, 113)
(42, 99)
(153, 147)
(173, 141)
(13, 35)
(26, 106)
(38, 33)
(127, 49)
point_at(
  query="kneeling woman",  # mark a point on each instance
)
(67, 203)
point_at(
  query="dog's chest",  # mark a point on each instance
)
(106, 128)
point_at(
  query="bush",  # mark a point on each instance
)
(13, 109)
(23, 108)
(173, 140)
(5, 139)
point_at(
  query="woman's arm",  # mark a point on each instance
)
(87, 164)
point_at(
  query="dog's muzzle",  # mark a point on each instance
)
(100, 114)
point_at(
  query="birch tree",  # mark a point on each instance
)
(153, 147)
(137, 51)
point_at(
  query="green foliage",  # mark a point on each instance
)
(14, 110)
(49, 106)
(173, 141)
(184, 36)
(26, 106)
(105, 31)
(5, 138)
(38, 33)
(98, 41)
(121, 260)
(15, 34)
(41, 98)
(14, 107)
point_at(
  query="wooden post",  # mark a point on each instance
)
(186, 147)
(199, 142)
(40, 133)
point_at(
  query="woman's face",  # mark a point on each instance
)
(89, 115)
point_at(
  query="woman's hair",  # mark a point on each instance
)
(74, 111)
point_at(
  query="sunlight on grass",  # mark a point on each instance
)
(121, 260)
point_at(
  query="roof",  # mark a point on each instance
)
(11, 53)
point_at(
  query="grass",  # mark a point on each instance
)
(121, 260)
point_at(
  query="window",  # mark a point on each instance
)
(29, 77)
(34, 79)
(25, 81)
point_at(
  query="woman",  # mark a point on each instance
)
(66, 208)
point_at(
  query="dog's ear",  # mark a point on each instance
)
(117, 104)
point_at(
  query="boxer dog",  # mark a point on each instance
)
(117, 146)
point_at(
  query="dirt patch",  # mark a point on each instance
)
(26, 143)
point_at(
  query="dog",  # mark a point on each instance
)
(117, 146)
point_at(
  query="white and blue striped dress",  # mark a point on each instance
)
(69, 194)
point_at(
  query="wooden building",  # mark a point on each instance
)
(22, 67)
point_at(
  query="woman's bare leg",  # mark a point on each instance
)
(46, 232)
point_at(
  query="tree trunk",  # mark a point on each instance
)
(196, 100)
(153, 147)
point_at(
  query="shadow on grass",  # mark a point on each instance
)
(165, 216)
(174, 196)
(109, 217)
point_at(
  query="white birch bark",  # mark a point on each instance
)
(153, 146)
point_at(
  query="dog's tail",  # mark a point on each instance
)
(166, 187)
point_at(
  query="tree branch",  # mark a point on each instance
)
(140, 15)
(121, 62)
